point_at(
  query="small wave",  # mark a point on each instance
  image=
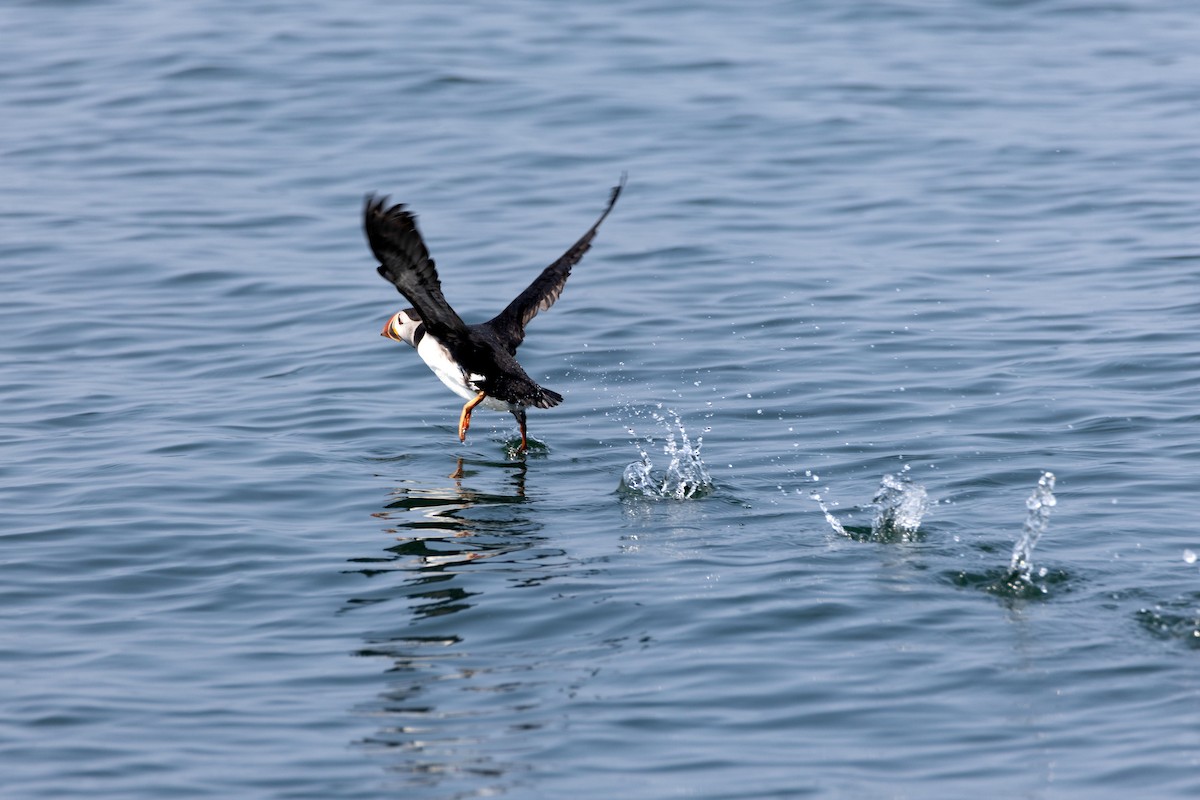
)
(1177, 620)
(1008, 585)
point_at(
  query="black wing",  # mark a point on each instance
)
(404, 260)
(509, 324)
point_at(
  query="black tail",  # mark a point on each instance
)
(547, 399)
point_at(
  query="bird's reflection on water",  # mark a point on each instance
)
(458, 546)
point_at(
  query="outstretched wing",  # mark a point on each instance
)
(509, 324)
(404, 260)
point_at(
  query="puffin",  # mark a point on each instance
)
(477, 362)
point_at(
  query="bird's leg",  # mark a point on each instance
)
(464, 420)
(520, 415)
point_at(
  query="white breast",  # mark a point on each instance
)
(437, 358)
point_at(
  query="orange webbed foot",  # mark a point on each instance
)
(464, 419)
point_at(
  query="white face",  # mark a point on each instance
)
(402, 328)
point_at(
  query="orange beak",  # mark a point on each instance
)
(389, 329)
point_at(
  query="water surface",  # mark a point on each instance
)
(949, 243)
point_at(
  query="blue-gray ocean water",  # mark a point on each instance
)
(879, 266)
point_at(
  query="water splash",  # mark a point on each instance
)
(829, 517)
(1020, 581)
(1039, 505)
(900, 505)
(815, 496)
(685, 476)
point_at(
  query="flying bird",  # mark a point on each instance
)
(477, 362)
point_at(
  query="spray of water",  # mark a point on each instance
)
(830, 518)
(1036, 520)
(685, 476)
(1020, 581)
(899, 506)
